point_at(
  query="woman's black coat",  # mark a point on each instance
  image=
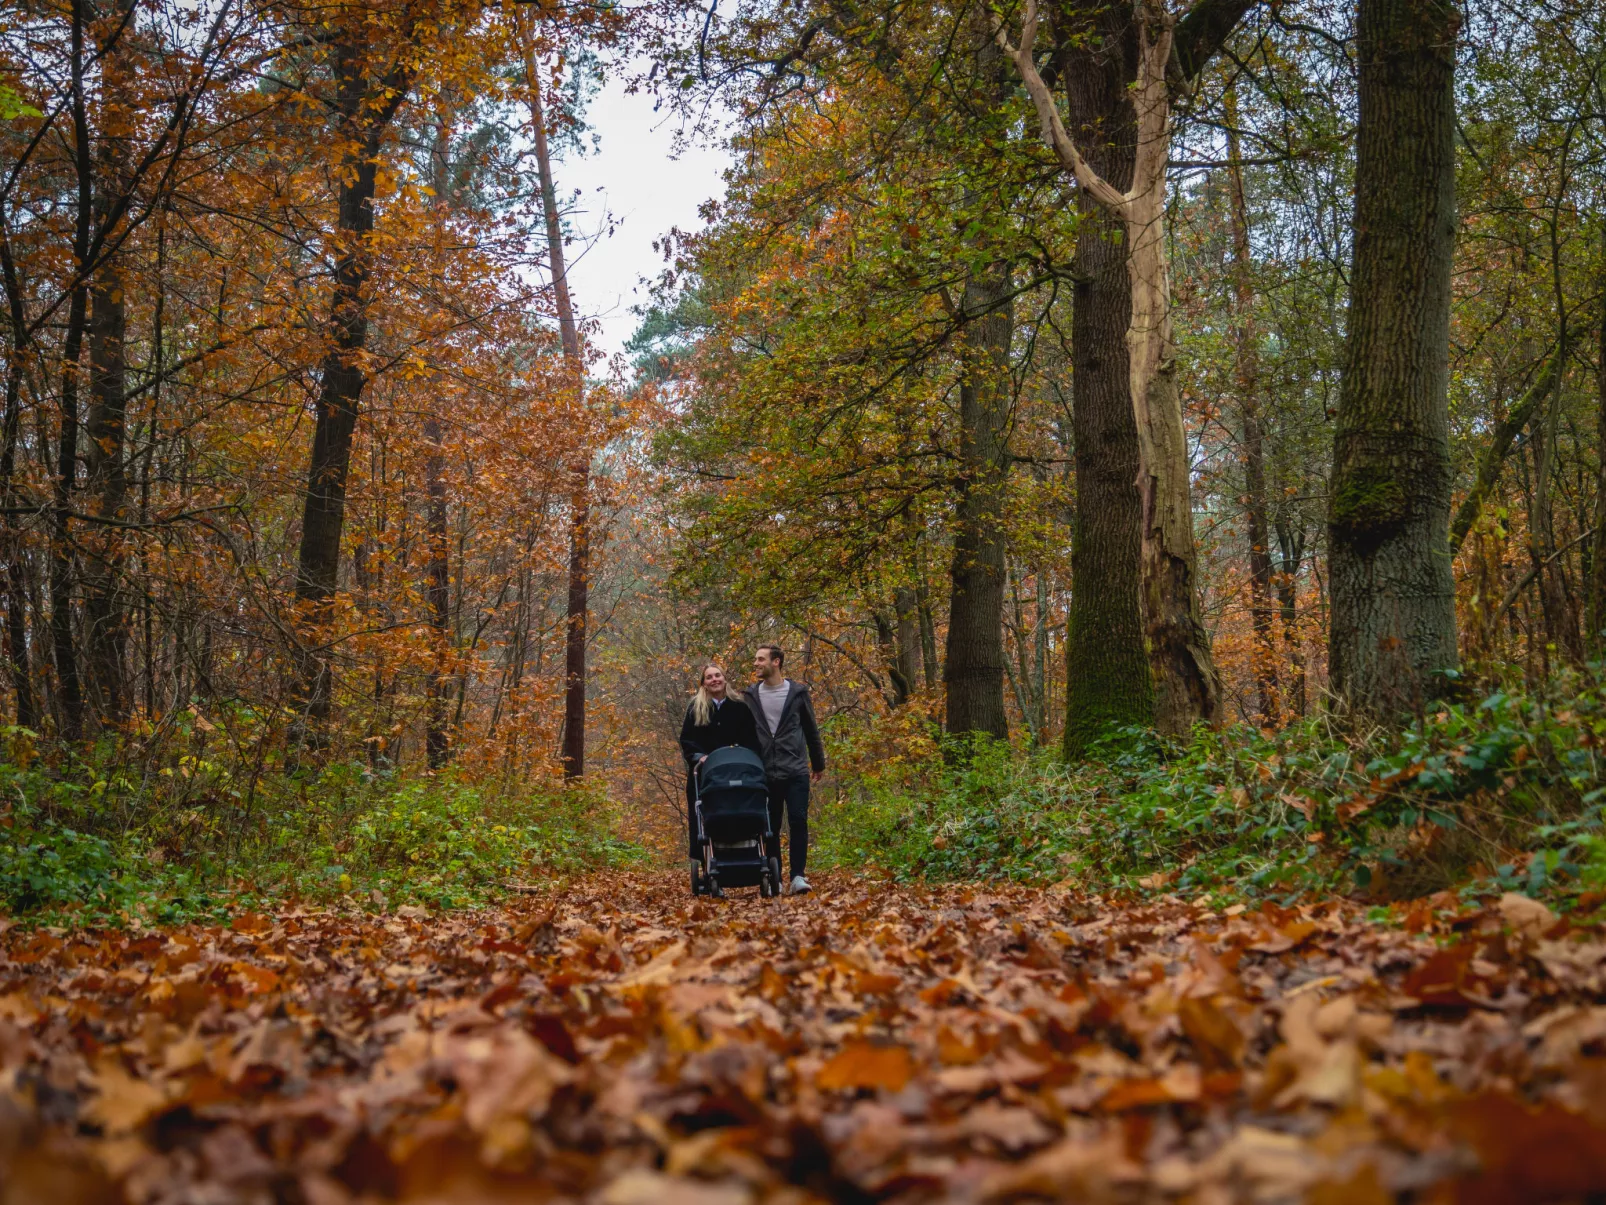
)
(731, 724)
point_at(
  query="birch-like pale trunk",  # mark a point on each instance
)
(1187, 688)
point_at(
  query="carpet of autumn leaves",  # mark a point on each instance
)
(617, 1042)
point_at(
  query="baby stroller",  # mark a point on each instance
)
(733, 825)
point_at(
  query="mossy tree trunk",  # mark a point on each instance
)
(1187, 690)
(1108, 683)
(1393, 605)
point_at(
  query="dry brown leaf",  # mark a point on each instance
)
(867, 1065)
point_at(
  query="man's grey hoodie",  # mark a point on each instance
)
(794, 747)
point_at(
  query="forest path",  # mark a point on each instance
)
(619, 1042)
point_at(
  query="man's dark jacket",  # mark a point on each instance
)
(731, 724)
(794, 747)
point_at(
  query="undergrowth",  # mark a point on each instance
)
(1499, 793)
(99, 837)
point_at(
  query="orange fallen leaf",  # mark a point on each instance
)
(867, 1065)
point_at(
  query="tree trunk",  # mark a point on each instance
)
(1597, 567)
(906, 608)
(108, 481)
(1186, 687)
(106, 616)
(1291, 549)
(63, 643)
(366, 107)
(1247, 366)
(438, 594)
(974, 673)
(574, 667)
(1108, 684)
(896, 689)
(18, 659)
(930, 667)
(1187, 690)
(1392, 622)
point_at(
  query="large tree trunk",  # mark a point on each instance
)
(1178, 645)
(575, 629)
(1187, 690)
(974, 672)
(1393, 600)
(1108, 683)
(366, 107)
(1253, 448)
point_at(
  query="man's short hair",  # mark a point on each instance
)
(775, 651)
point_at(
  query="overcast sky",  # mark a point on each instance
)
(632, 177)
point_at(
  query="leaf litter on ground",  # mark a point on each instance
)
(621, 1043)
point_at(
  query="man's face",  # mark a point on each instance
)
(763, 664)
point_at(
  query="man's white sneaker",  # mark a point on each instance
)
(800, 885)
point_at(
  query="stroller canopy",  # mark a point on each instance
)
(732, 767)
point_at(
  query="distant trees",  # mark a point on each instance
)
(271, 355)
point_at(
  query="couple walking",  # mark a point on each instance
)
(774, 718)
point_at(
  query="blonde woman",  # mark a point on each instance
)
(713, 721)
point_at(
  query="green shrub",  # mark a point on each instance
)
(1505, 792)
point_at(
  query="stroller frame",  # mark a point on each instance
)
(744, 861)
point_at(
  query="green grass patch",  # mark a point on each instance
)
(101, 840)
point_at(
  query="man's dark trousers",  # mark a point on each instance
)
(791, 795)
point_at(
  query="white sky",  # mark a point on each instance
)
(632, 177)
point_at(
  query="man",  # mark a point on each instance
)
(793, 754)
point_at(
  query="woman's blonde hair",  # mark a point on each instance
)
(702, 703)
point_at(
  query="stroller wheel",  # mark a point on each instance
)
(715, 890)
(775, 875)
(766, 885)
(696, 879)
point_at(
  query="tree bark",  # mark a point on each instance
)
(438, 596)
(105, 613)
(18, 658)
(930, 666)
(1187, 690)
(575, 628)
(1392, 623)
(1597, 566)
(1252, 449)
(63, 643)
(973, 675)
(1108, 683)
(366, 107)
(906, 608)
(1291, 555)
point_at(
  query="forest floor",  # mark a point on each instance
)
(618, 1042)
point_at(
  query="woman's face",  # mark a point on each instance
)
(714, 681)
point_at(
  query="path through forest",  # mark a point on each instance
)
(617, 1042)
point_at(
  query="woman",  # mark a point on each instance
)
(713, 721)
